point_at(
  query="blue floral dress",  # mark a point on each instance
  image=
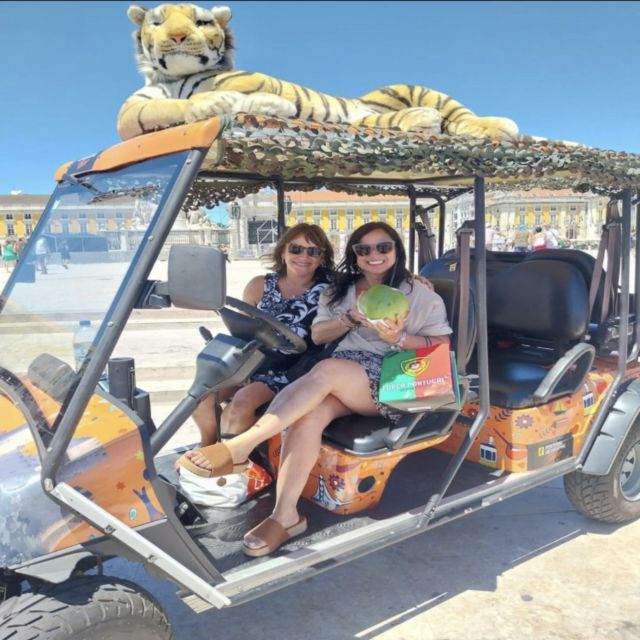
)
(298, 314)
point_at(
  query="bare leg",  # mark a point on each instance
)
(240, 413)
(237, 416)
(345, 380)
(205, 418)
(300, 451)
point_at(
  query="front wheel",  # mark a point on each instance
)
(615, 497)
(85, 609)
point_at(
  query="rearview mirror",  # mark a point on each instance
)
(197, 277)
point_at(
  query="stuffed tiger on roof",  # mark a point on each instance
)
(185, 53)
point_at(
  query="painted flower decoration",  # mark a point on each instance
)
(336, 482)
(524, 422)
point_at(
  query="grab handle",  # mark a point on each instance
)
(567, 374)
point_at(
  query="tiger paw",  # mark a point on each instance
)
(211, 103)
(265, 104)
(492, 128)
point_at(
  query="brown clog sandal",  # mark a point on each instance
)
(219, 457)
(274, 535)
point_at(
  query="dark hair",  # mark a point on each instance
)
(538, 229)
(348, 272)
(312, 233)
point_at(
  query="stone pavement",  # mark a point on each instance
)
(529, 568)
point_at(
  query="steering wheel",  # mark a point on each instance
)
(272, 332)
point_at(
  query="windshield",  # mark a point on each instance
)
(67, 278)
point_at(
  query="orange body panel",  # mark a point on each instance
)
(104, 461)
(512, 440)
(518, 440)
(346, 483)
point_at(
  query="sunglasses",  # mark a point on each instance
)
(312, 252)
(362, 249)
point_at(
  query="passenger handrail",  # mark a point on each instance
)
(609, 240)
(581, 356)
(461, 298)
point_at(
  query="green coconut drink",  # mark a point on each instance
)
(381, 302)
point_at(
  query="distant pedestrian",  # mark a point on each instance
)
(551, 237)
(65, 256)
(520, 239)
(20, 245)
(489, 235)
(9, 255)
(538, 240)
(42, 251)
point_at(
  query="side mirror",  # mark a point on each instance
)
(197, 277)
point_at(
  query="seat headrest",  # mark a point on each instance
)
(585, 263)
(544, 299)
(445, 266)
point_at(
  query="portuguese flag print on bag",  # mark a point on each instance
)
(420, 380)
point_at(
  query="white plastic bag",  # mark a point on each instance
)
(226, 491)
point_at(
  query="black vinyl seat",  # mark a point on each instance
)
(603, 326)
(538, 317)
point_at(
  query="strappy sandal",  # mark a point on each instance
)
(219, 456)
(274, 535)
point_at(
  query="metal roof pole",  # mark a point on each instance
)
(483, 358)
(636, 327)
(281, 207)
(623, 307)
(412, 226)
(442, 216)
(623, 329)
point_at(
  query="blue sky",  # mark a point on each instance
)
(563, 70)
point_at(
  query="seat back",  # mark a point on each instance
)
(537, 312)
(546, 300)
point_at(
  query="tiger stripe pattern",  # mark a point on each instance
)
(185, 53)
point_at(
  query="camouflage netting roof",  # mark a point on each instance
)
(319, 153)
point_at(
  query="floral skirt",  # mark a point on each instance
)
(371, 363)
(275, 380)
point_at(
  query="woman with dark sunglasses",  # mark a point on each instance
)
(345, 383)
(301, 267)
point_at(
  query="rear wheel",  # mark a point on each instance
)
(83, 609)
(616, 496)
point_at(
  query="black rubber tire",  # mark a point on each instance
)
(602, 497)
(87, 608)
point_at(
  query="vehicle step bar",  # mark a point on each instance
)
(243, 585)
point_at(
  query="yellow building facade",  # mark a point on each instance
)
(19, 214)
(336, 212)
(577, 217)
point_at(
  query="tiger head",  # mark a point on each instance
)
(174, 41)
